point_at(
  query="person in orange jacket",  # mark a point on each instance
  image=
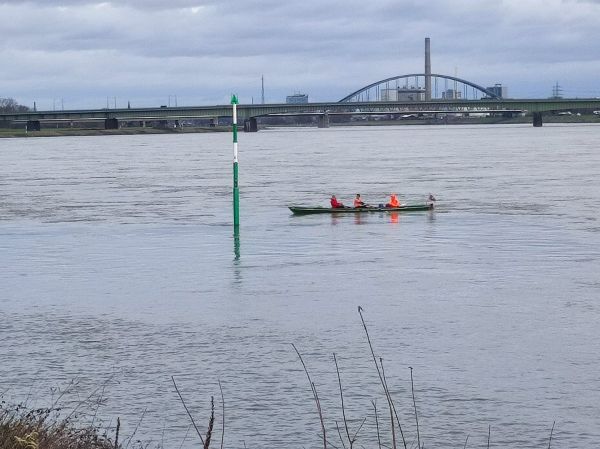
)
(393, 201)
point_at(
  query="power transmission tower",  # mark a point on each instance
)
(557, 91)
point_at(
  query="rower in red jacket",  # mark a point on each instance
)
(335, 203)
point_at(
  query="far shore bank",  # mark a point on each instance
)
(63, 132)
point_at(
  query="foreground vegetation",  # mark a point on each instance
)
(22, 428)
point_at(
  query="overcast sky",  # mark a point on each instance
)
(77, 53)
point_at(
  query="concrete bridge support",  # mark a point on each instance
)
(537, 119)
(33, 125)
(251, 125)
(323, 121)
(111, 123)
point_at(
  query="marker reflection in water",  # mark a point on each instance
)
(236, 242)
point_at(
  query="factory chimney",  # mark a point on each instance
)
(427, 70)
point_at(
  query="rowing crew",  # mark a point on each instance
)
(359, 203)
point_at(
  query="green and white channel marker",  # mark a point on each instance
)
(236, 190)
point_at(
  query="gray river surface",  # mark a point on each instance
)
(117, 271)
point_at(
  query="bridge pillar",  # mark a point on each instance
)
(33, 125)
(111, 123)
(323, 121)
(250, 125)
(537, 119)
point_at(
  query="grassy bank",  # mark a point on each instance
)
(22, 428)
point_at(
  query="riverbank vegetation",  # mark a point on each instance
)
(44, 428)
(10, 105)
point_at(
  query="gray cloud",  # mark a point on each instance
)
(146, 50)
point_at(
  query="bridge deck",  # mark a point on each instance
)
(253, 110)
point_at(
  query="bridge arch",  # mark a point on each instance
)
(390, 89)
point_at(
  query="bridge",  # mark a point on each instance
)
(250, 112)
(414, 93)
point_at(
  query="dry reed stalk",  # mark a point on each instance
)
(358, 430)
(222, 402)
(186, 409)
(377, 424)
(390, 404)
(489, 432)
(340, 434)
(117, 433)
(211, 422)
(412, 387)
(551, 432)
(337, 369)
(87, 398)
(136, 428)
(466, 440)
(185, 436)
(320, 410)
(383, 383)
(315, 396)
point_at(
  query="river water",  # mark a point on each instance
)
(118, 271)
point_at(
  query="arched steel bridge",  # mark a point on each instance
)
(412, 88)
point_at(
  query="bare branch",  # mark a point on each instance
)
(117, 433)
(136, 428)
(315, 395)
(337, 369)
(383, 382)
(358, 430)
(377, 424)
(222, 402)
(188, 412)
(551, 432)
(340, 434)
(412, 386)
(211, 422)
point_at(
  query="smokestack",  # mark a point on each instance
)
(427, 70)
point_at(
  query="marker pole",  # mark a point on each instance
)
(236, 191)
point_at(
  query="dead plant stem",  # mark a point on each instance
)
(315, 396)
(383, 383)
(186, 409)
(412, 387)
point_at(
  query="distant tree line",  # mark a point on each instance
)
(8, 105)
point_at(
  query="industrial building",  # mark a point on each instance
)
(296, 99)
(403, 94)
(499, 89)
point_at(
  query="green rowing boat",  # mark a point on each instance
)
(302, 210)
